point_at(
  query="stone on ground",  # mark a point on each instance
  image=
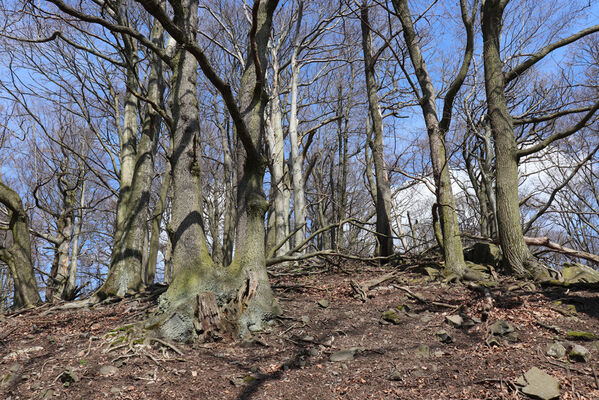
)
(540, 385)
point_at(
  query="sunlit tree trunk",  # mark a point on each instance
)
(16, 251)
(383, 191)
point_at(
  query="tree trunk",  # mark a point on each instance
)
(242, 290)
(68, 292)
(452, 244)
(127, 269)
(274, 137)
(383, 190)
(16, 253)
(517, 257)
(296, 160)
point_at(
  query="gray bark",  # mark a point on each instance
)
(16, 251)
(383, 191)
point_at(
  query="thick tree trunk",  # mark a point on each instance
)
(383, 190)
(516, 255)
(16, 251)
(452, 245)
(241, 291)
(127, 270)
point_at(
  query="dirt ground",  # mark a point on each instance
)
(67, 354)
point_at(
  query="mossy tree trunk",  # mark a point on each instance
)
(16, 251)
(241, 291)
(518, 258)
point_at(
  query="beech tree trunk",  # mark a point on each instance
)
(517, 257)
(16, 251)
(383, 191)
(452, 244)
(241, 290)
(127, 273)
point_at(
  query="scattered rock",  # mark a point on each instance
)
(423, 350)
(391, 316)
(395, 376)
(579, 353)
(68, 377)
(12, 375)
(443, 336)
(454, 320)
(238, 381)
(556, 350)
(343, 355)
(540, 385)
(578, 273)
(108, 370)
(581, 335)
(483, 253)
(324, 303)
(501, 328)
(504, 330)
(426, 317)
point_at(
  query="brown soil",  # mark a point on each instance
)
(291, 360)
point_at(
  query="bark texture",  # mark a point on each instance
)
(517, 257)
(16, 251)
(383, 191)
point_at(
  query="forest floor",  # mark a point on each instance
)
(67, 354)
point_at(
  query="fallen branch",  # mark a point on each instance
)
(545, 242)
(421, 299)
(362, 288)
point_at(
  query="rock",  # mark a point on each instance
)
(395, 376)
(484, 253)
(443, 336)
(324, 303)
(12, 375)
(68, 377)
(313, 352)
(578, 273)
(492, 342)
(308, 338)
(48, 394)
(108, 370)
(556, 350)
(580, 335)
(426, 317)
(579, 353)
(438, 353)
(454, 320)
(305, 319)
(238, 381)
(501, 328)
(391, 316)
(540, 385)
(115, 390)
(423, 351)
(343, 355)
